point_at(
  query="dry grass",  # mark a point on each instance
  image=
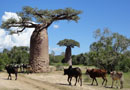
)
(54, 80)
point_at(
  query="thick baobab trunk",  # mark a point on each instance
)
(68, 58)
(39, 57)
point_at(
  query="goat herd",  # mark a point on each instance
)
(72, 72)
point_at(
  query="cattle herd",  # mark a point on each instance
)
(71, 72)
(93, 73)
(16, 68)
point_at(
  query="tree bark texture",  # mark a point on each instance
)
(39, 57)
(68, 58)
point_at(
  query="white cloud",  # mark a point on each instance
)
(55, 26)
(56, 50)
(8, 15)
(8, 41)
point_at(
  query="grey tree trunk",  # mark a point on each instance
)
(39, 57)
(68, 58)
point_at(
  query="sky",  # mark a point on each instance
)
(96, 14)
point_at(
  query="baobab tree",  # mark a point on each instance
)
(69, 43)
(40, 20)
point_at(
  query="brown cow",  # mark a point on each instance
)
(115, 77)
(93, 73)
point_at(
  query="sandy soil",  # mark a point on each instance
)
(43, 81)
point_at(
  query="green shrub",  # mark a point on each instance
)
(2, 64)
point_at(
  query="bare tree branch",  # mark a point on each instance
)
(21, 30)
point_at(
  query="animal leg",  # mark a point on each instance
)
(116, 83)
(103, 80)
(92, 81)
(112, 83)
(80, 80)
(15, 76)
(121, 83)
(106, 81)
(96, 82)
(75, 81)
(10, 77)
(70, 80)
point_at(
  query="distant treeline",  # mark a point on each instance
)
(17, 55)
(111, 51)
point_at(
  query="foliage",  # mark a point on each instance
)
(55, 59)
(59, 67)
(124, 64)
(17, 55)
(108, 51)
(68, 42)
(81, 59)
(29, 15)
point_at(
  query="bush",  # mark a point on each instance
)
(2, 64)
(125, 65)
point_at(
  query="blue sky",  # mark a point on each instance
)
(112, 14)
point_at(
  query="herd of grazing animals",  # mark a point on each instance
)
(73, 72)
(93, 73)
(14, 69)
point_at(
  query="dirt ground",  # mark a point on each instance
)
(43, 81)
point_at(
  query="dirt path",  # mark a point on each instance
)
(43, 81)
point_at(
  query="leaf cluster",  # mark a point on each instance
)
(68, 42)
(17, 55)
(108, 51)
(28, 15)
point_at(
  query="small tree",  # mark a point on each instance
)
(69, 43)
(40, 20)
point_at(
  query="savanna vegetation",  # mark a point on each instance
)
(110, 51)
(40, 20)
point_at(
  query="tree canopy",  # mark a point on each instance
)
(108, 51)
(31, 17)
(68, 42)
